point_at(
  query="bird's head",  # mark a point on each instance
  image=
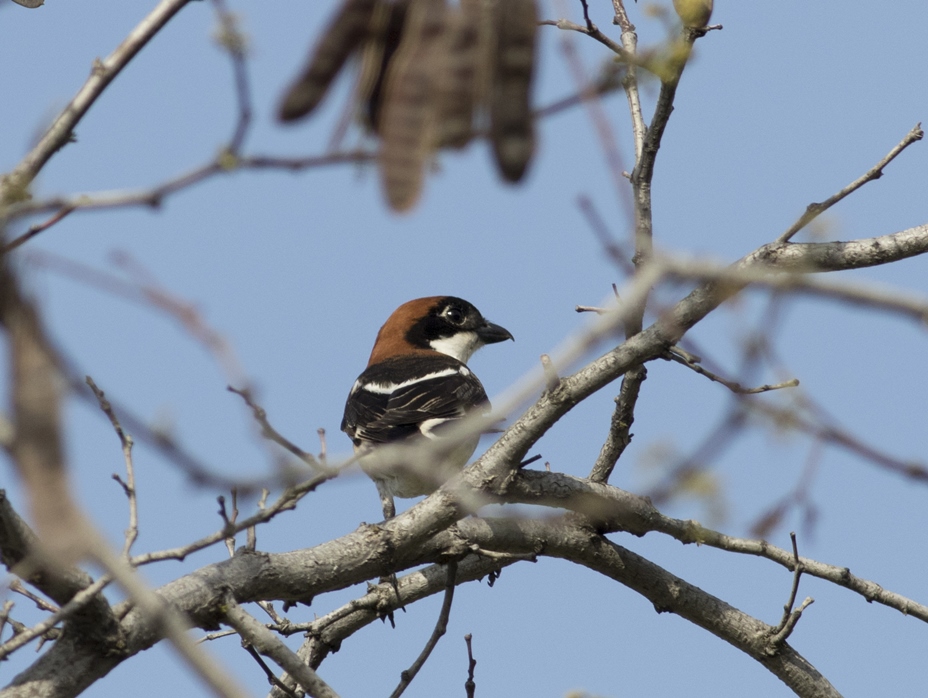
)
(443, 324)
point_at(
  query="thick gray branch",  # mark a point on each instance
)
(667, 592)
(18, 554)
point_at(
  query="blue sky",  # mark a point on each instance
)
(790, 102)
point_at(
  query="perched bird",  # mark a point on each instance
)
(416, 385)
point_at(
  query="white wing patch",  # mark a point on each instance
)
(390, 388)
(426, 427)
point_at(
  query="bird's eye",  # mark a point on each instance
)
(454, 315)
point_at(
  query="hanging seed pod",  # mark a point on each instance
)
(511, 128)
(389, 20)
(457, 80)
(407, 121)
(345, 34)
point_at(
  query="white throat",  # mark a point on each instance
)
(461, 346)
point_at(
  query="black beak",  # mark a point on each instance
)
(491, 334)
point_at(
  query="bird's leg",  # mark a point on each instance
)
(389, 512)
(386, 500)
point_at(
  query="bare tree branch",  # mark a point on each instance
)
(153, 197)
(623, 417)
(86, 598)
(132, 533)
(470, 686)
(71, 588)
(610, 508)
(268, 644)
(234, 42)
(733, 386)
(270, 433)
(666, 591)
(593, 32)
(408, 540)
(441, 627)
(814, 210)
(285, 502)
(325, 634)
(791, 617)
(13, 187)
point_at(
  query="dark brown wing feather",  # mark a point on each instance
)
(382, 418)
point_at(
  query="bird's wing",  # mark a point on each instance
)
(382, 409)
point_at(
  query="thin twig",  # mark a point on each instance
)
(125, 440)
(286, 501)
(826, 430)
(17, 587)
(797, 573)
(77, 602)
(38, 228)
(233, 40)
(601, 231)
(268, 672)
(623, 417)
(586, 15)
(592, 31)
(270, 433)
(780, 633)
(777, 640)
(693, 532)
(252, 533)
(607, 82)
(674, 355)
(814, 210)
(470, 686)
(799, 497)
(216, 636)
(600, 120)
(155, 196)
(790, 618)
(441, 627)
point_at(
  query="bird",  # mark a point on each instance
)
(415, 388)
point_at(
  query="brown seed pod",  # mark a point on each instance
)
(456, 89)
(407, 121)
(511, 128)
(348, 30)
(387, 30)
